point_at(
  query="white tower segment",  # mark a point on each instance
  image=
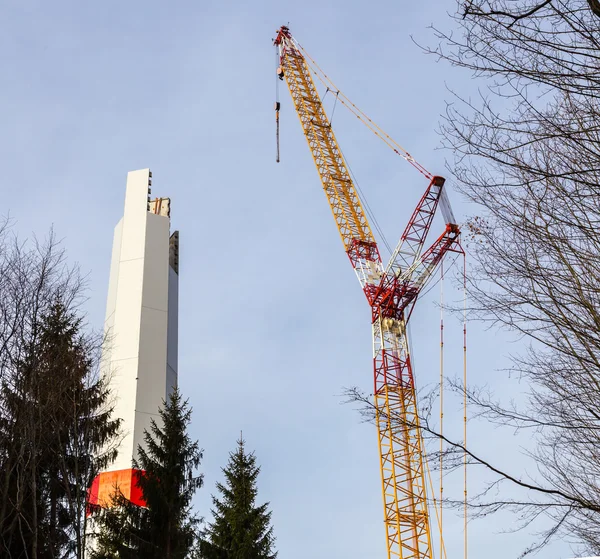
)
(141, 325)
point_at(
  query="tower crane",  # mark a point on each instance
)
(391, 291)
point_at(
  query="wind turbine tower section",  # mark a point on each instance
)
(140, 359)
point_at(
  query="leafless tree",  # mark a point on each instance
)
(29, 279)
(527, 156)
(55, 427)
(519, 12)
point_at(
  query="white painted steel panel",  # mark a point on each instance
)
(123, 379)
(126, 331)
(134, 218)
(111, 299)
(156, 263)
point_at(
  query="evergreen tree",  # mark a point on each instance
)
(240, 530)
(165, 528)
(57, 422)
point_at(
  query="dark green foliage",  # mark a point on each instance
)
(119, 535)
(166, 527)
(54, 430)
(240, 530)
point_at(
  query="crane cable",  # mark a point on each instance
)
(465, 398)
(277, 105)
(377, 130)
(371, 215)
(365, 202)
(337, 95)
(429, 477)
(441, 516)
(442, 552)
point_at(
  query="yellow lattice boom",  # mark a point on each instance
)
(341, 193)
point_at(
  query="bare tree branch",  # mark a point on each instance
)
(471, 10)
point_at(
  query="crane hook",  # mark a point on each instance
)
(277, 107)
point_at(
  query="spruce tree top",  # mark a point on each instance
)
(241, 529)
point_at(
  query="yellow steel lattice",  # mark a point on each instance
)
(400, 448)
(343, 199)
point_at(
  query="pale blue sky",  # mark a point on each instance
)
(272, 321)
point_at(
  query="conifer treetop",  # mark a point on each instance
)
(240, 527)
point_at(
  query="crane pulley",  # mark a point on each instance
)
(390, 290)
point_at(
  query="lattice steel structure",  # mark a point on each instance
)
(392, 293)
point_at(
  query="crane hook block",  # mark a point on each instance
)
(280, 73)
(277, 106)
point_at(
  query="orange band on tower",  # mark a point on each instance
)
(107, 484)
